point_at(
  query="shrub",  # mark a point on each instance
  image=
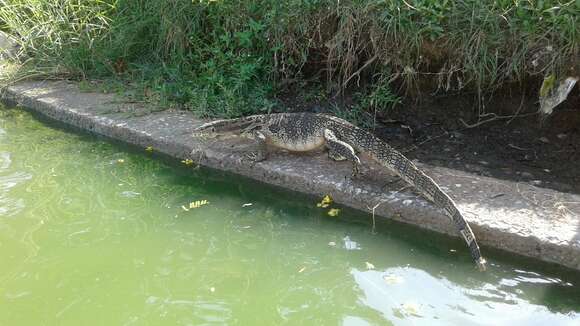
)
(230, 58)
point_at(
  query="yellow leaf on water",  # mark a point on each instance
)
(198, 203)
(326, 201)
(392, 279)
(149, 149)
(187, 162)
(410, 308)
(333, 212)
(301, 269)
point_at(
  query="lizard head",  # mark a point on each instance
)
(226, 126)
(217, 126)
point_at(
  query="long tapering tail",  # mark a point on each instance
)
(398, 163)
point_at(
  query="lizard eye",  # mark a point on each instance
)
(212, 129)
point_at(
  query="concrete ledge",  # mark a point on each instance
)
(517, 217)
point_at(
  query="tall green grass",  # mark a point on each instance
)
(230, 58)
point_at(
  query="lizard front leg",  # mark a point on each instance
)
(339, 150)
(334, 155)
(261, 153)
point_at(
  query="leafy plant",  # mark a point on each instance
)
(232, 58)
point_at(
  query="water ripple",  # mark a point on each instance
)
(10, 206)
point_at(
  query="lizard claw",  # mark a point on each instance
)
(355, 172)
(255, 157)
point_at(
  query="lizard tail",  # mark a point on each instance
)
(408, 171)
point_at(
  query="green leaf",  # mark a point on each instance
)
(547, 85)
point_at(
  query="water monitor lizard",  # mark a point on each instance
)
(299, 132)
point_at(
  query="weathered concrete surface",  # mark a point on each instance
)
(516, 217)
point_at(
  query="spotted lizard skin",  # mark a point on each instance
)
(300, 132)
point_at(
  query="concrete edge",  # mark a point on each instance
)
(516, 217)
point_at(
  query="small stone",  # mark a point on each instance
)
(457, 135)
(473, 168)
(507, 170)
(544, 140)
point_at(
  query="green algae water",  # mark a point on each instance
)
(93, 233)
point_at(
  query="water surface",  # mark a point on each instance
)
(95, 234)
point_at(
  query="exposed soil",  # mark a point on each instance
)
(524, 149)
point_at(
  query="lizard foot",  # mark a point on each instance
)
(335, 156)
(356, 174)
(255, 157)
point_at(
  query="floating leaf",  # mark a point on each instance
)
(410, 308)
(187, 161)
(120, 160)
(392, 279)
(333, 212)
(326, 201)
(369, 265)
(302, 269)
(198, 203)
(149, 149)
(247, 204)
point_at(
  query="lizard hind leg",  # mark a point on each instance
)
(340, 151)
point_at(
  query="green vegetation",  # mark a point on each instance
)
(230, 58)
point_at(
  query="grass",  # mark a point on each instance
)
(231, 58)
